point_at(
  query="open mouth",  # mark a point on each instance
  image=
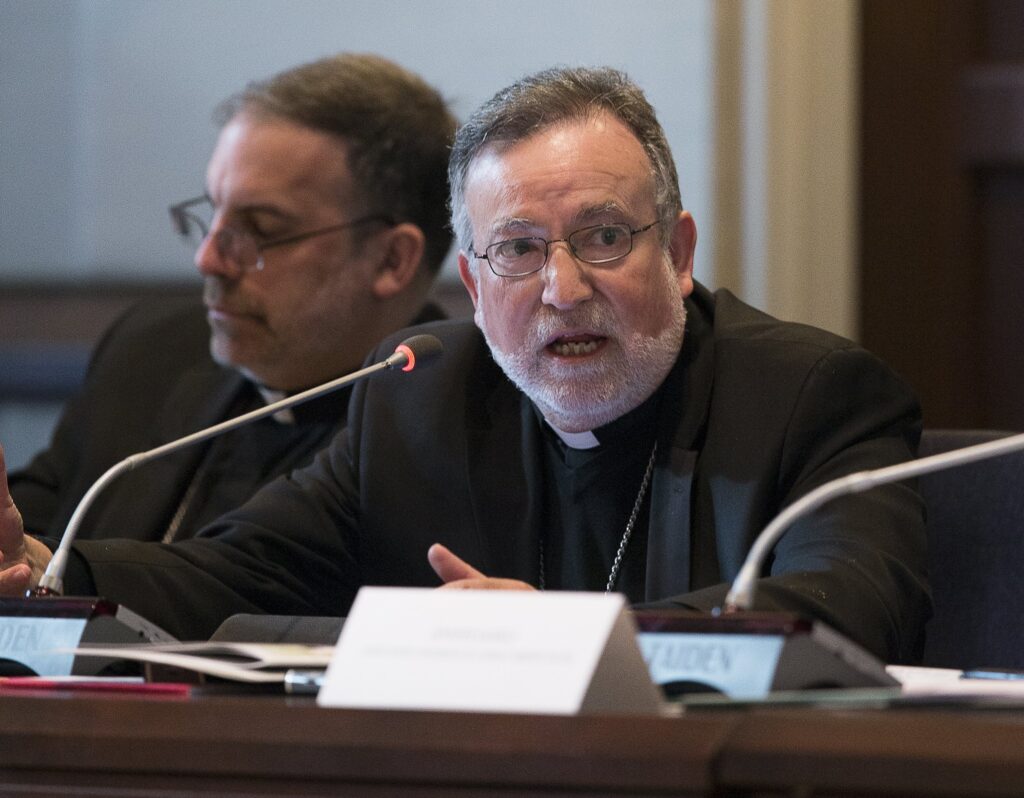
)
(576, 345)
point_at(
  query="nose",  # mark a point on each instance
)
(211, 258)
(566, 281)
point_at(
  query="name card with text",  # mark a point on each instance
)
(740, 666)
(43, 645)
(489, 651)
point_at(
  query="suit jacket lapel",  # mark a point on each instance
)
(506, 501)
(200, 398)
(682, 416)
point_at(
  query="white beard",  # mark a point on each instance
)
(584, 395)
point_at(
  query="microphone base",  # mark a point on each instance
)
(746, 655)
(37, 634)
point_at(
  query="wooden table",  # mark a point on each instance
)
(81, 744)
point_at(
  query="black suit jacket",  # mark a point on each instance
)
(151, 380)
(758, 413)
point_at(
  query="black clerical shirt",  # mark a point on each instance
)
(588, 498)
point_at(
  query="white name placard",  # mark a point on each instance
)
(741, 666)
(489, 651)
(42, 644)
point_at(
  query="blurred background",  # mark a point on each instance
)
(854, 165)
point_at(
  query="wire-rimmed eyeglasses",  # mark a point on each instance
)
(193, 218)
(600, 243)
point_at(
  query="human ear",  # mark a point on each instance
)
(682, 244)
(469, 278)
(400, 253)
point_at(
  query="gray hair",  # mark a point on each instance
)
(556, 95)
(397, 127)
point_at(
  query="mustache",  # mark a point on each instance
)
(548, 323)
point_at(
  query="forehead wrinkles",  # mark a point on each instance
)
(505, 205)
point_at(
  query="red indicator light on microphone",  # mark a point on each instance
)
(410, 356)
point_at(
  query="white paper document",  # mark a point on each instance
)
(916, 681)
(242, 662)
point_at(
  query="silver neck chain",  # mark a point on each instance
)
(613, 575)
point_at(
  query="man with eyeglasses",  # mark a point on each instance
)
(320, 231)
(606, 424)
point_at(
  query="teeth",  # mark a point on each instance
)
(568, 349)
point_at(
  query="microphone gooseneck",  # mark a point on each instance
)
(413, 352)
(741, 593)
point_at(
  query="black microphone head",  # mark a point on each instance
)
(419, 350)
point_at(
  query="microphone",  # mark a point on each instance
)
(30, 630)
(744, 587)
(746, 654)
(419, 349)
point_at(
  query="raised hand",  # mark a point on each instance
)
(22, 558)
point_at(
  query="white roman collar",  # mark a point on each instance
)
(577, 440)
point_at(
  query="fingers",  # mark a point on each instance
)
(12, 544)
(15, 570)
(486, 583)
(38, 556)
(449, 567)
(5, 493)
(7, 508)
(10, 518)
(14, 581)
(457, 574)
